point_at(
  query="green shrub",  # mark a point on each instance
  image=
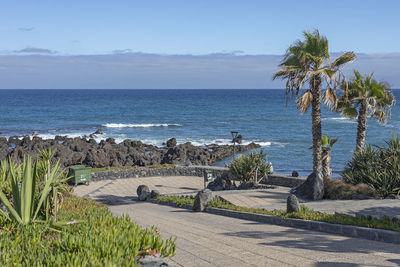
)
(251, 166)
(35, 189)
(378, 168)
(102, 240)
(178, 200)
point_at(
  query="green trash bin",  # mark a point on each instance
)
(80, 174)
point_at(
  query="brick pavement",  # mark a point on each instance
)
(211, 240)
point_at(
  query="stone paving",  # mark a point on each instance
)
(127, 187)
(211, 240)
(276, 199)
(270, 199)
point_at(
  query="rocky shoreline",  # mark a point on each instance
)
(82, 150)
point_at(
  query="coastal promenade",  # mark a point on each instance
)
(210, 240)
(275, 198)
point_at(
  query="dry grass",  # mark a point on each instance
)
(338, 189)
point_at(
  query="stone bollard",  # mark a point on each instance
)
(292, 204)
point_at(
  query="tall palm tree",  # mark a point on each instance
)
(364, 96)
(309, 61)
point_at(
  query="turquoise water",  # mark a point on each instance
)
(197, 116)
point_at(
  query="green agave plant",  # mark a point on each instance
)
(26, 205)
(58, 184)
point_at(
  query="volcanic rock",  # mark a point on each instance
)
(171, 142)
(292, 204)
(312, 188)
(201, 200)
(142, 188)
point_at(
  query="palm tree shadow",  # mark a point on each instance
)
(113, 200)
(380, 212)
(315, 241)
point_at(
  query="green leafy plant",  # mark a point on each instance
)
(378, 168)
(250, 167)
(58, 184)
(27, 200)
(102, 240)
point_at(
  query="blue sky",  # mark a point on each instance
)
(69, 28)
(197, 27)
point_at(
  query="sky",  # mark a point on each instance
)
(204, 44)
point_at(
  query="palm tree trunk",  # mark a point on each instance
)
(315, 84)
(326, 164)
(362, 126)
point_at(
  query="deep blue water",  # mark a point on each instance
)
(198, 116)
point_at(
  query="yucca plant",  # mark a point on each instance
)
(26, 204)
(250, 167)
(327, 144)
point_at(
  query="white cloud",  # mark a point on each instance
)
(143, 71)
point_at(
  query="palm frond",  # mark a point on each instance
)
(350, 112)
(380, 115)
(304, 102)
(330, 98)
(343, 59)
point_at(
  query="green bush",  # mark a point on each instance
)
(378, 168)
(35, 189)
(248, 167)
(102, 240)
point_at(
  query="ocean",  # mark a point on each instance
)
(197, 116)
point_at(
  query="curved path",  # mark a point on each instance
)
(210, 240)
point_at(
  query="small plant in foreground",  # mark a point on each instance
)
(26, 208)
(102, 240)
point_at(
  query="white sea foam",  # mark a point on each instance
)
(140, 125)
(202, 142)
(119, 138)
(340, 119)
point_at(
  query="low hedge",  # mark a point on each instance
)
(101, 240)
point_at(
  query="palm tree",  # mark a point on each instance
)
(309, 61)
(364, 96)
(327, 144)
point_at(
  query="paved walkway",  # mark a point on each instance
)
(116, 190)
(211, 240)
(127, 187)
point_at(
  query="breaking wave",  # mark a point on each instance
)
(140, 125)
